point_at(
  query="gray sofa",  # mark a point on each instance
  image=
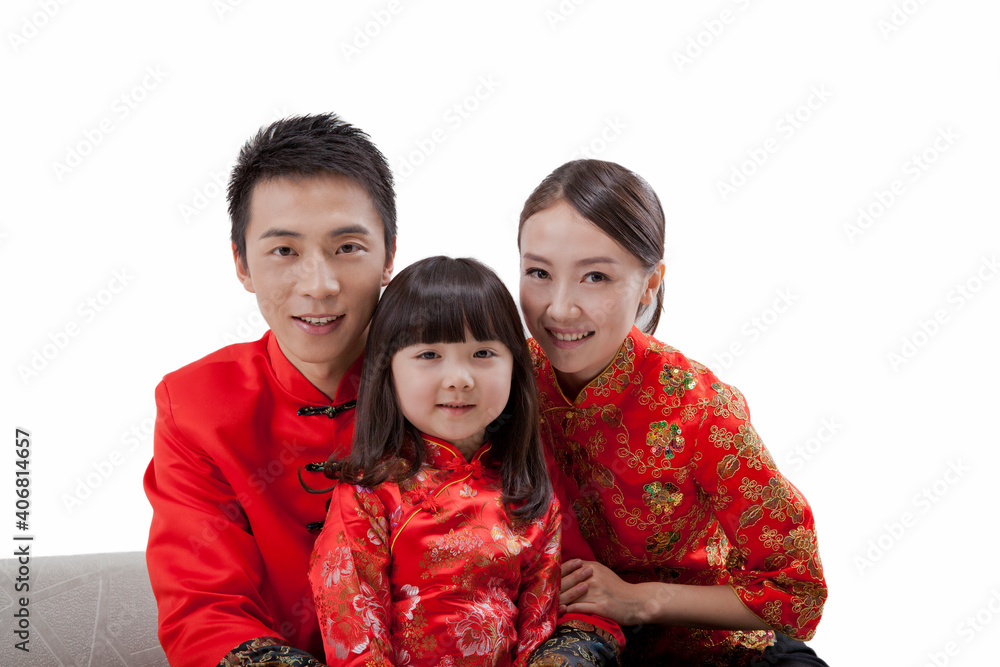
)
(91, 609)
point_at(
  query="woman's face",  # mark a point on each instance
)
(580, 291)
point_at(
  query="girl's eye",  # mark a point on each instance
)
(484, 354)
(595, 277)
(537, 273)
(283, 251)
(428, 355)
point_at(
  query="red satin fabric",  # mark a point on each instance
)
(433, 571)
(228, 545)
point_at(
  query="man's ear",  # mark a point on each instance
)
(390, 257)
(649, 294)
(242, 271)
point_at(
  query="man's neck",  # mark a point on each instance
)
(327, 376)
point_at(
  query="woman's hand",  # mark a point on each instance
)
(591, 588)
(573, 583)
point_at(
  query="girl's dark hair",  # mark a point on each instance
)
(620, 203)
(431, 301)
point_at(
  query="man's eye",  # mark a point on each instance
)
(349, 248)
(283, 251)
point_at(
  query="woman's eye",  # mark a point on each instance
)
(595, 277)
(537, 273)
(283, 251)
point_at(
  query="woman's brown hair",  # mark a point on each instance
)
(620, 203)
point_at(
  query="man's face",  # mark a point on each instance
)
(316, 259)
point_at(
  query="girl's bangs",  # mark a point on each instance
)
(440, 304)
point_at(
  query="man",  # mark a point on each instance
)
(313, 232)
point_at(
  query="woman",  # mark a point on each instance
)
(699, 539)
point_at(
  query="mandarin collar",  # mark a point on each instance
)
(602, 388)
(442, 454)
(295, 383)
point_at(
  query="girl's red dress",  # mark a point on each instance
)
(433, 571)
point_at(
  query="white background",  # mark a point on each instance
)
(117, 269)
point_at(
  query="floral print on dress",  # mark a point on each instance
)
(449, 577)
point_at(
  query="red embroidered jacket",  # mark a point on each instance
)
(432, 571)
(229, 545)
(670, 482)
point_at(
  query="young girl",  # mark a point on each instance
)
(699, 539)
(441, 545)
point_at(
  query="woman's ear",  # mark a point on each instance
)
(653, 284)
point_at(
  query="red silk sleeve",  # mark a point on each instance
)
(774, 563)
(349, 573)
(538, 600)
(204, 564)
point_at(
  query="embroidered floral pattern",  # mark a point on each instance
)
(679, 487)
(469, 586)
(665, 439)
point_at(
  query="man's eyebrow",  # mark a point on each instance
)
(360, 230)
(333, 233)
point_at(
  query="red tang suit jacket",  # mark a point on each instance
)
(670, 482)
(230, 539)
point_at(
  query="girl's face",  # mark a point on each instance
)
(453, 391)
(580, 291)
